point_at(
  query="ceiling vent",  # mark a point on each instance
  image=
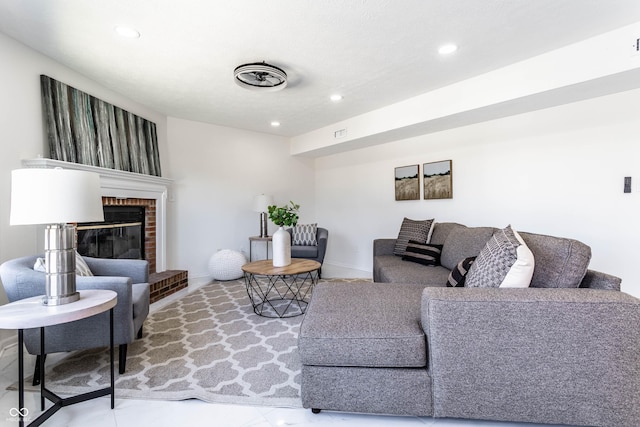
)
(260, 76)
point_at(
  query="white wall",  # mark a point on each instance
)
(557, 171)
(217, 171)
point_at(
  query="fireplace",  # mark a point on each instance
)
(120, 236)
(151, 193)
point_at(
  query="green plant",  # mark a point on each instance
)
(286, 215)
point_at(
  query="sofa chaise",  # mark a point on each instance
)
(563, 351)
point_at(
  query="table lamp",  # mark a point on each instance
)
(56, 197)
(261, 204)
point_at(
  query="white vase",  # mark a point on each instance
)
(281, 242)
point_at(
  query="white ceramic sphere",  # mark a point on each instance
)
(226, 264)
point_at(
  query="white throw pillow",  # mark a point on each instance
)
(521, 272)
(82, 269)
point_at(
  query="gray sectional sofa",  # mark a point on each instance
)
(564, 351)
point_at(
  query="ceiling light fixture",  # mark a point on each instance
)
(447, 49)
(128, 32)
(260, 76)
(336, 97)
(275, 124)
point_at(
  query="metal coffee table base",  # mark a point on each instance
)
(280, 295)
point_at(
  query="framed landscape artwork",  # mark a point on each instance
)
(407, 181)
(437, 180)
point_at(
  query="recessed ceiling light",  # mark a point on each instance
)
(447, 49)
(128, 32)
(336, 97)
(275, 124)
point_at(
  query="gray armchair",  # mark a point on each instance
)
(128, 278)
(315, 253)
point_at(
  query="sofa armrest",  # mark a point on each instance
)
(598, 280)
(561, 356)
(383, 246)
(137, 270)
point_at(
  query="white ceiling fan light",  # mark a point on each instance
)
(260, 76)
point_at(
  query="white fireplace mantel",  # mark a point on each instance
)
(122, 184)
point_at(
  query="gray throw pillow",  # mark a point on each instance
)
(417, 230)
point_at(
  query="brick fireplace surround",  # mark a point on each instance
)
(131, 189)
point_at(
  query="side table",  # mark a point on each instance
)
(252, 239)
(31, 313)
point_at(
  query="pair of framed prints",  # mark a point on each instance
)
(437, 181)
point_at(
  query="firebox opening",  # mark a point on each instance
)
(121, 235)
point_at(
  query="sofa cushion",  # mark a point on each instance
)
(505, 261)
(441, 230)
(363, 324)
(464, 242)
(560, 262)
(458, 275)
(305, 235)
(422, 253)
(418, 230)
(392, 269)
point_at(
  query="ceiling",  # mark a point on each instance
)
(373, 52)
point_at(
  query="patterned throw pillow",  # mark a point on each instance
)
(305, 235)
(422, 253)
(410, 229)
(458, 275)
(82, 269)
(505, 261)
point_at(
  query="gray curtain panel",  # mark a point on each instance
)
(84, 129)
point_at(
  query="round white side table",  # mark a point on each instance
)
(31, 313)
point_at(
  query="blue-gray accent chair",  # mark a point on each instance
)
(315, 253)
(128, 278)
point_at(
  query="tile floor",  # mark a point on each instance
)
(150, 413)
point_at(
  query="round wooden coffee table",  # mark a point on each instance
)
(280, 291)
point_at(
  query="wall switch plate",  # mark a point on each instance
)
(627, 184)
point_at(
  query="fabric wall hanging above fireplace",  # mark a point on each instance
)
(84, 129)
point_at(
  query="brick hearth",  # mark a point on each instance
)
(166, 283)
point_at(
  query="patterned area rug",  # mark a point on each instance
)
(208, 345)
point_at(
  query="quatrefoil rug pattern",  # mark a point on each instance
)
(208, 345)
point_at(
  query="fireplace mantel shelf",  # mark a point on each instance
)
(104, 172)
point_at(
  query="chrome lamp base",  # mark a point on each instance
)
(60, 256)
(263, 225)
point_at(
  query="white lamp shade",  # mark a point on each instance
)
(261, 203)
(55, 196)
